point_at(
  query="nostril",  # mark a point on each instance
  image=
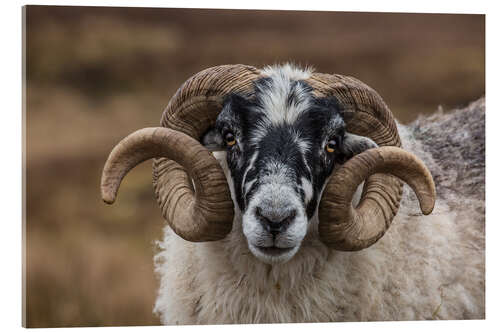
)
(275, 221)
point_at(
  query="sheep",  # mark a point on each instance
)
(279, 261)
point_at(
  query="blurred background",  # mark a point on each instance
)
(96, 74)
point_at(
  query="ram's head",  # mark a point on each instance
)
(298, 145)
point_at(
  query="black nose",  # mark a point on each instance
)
(275, 221)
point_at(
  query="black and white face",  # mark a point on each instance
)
(282, 145)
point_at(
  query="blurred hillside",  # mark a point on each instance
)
(96, 74)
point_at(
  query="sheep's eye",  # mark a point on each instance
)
(331, 146)
(230, 139)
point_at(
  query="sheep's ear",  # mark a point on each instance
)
(212, 140)
(353, 144)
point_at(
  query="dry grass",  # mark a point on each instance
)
(97, 74)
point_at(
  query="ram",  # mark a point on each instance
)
(279, 187)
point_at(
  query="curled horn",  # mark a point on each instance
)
(189, 184)
(342, 226)
(349, 228)
(204, 211)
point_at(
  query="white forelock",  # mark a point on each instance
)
(293, 72)
(274, 101)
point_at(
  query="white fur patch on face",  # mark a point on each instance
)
(308, 189)
(304, 147)
(250, 166)
(275, 102)
(248, 185)
(275, 105)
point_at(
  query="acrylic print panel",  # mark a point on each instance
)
(96, 74)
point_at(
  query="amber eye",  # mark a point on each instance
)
(230, 139)
(330, 146)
